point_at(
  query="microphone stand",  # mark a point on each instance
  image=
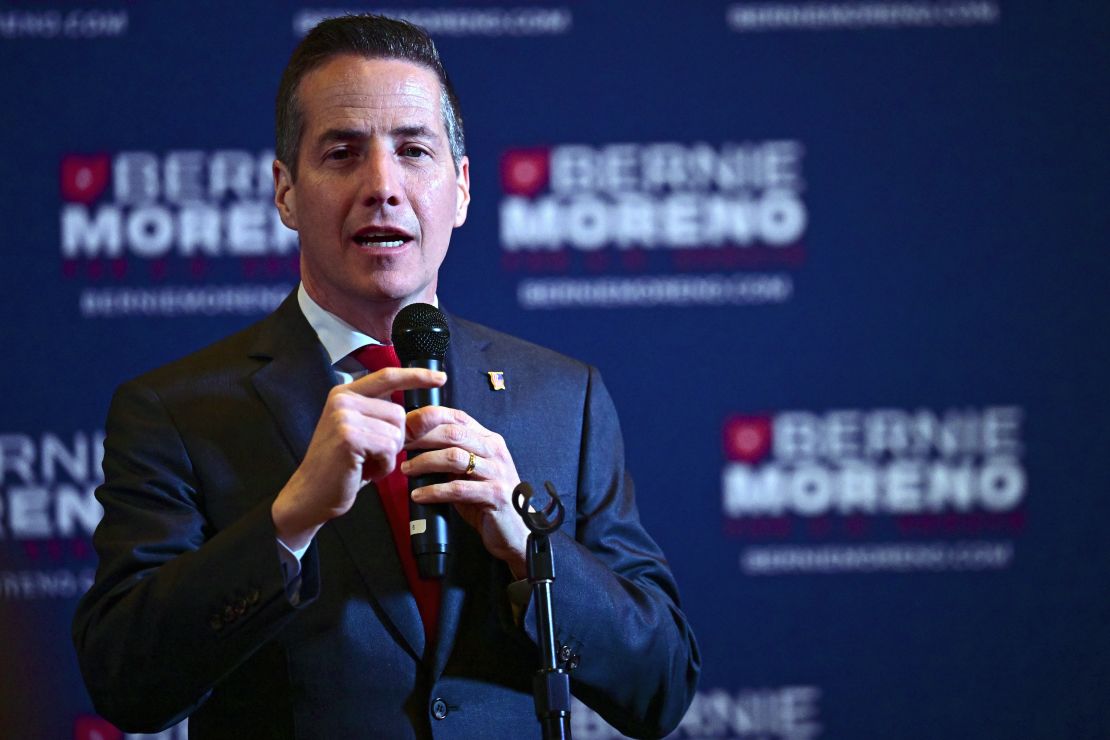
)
(550, 684)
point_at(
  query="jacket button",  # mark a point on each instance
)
(229, 614)
(439, 709)
(252, 597)
(565, 653)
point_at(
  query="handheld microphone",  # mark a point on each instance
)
(420, 338)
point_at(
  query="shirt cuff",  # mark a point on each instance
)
(291, 569)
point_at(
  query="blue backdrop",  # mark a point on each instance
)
(842, 265)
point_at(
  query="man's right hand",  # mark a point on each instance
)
(356, 440)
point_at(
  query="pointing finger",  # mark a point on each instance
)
(387, 380)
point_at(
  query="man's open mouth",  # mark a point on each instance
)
(382, 239)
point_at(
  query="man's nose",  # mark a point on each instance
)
(381, 183)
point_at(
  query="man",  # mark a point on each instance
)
(253, 575)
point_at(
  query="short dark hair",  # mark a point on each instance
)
(371, 37)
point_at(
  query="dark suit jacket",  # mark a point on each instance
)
(189, 613)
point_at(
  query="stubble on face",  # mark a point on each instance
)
(377, 193)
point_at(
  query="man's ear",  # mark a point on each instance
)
(462, 200)
(285, 197)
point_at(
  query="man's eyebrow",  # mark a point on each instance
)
(342, 134)
(416, 131)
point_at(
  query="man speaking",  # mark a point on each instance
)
(255, 569)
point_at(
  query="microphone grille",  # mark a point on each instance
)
(420, 333)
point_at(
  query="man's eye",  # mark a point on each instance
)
(413, 151)
(339, 154)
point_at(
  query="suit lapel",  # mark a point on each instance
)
(365, 532)
(295, 381)
(294, 386)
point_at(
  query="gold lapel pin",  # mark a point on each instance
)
(496, 380)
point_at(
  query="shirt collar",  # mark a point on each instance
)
(338, 337)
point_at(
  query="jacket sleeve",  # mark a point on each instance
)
(167, 617)
(615, 601)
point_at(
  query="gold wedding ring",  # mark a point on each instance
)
(470, 465)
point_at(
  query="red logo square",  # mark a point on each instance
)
(83, 178)
(747, 438)
(524, 171)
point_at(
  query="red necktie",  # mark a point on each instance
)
(394, 493)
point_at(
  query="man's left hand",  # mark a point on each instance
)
(483, 497)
